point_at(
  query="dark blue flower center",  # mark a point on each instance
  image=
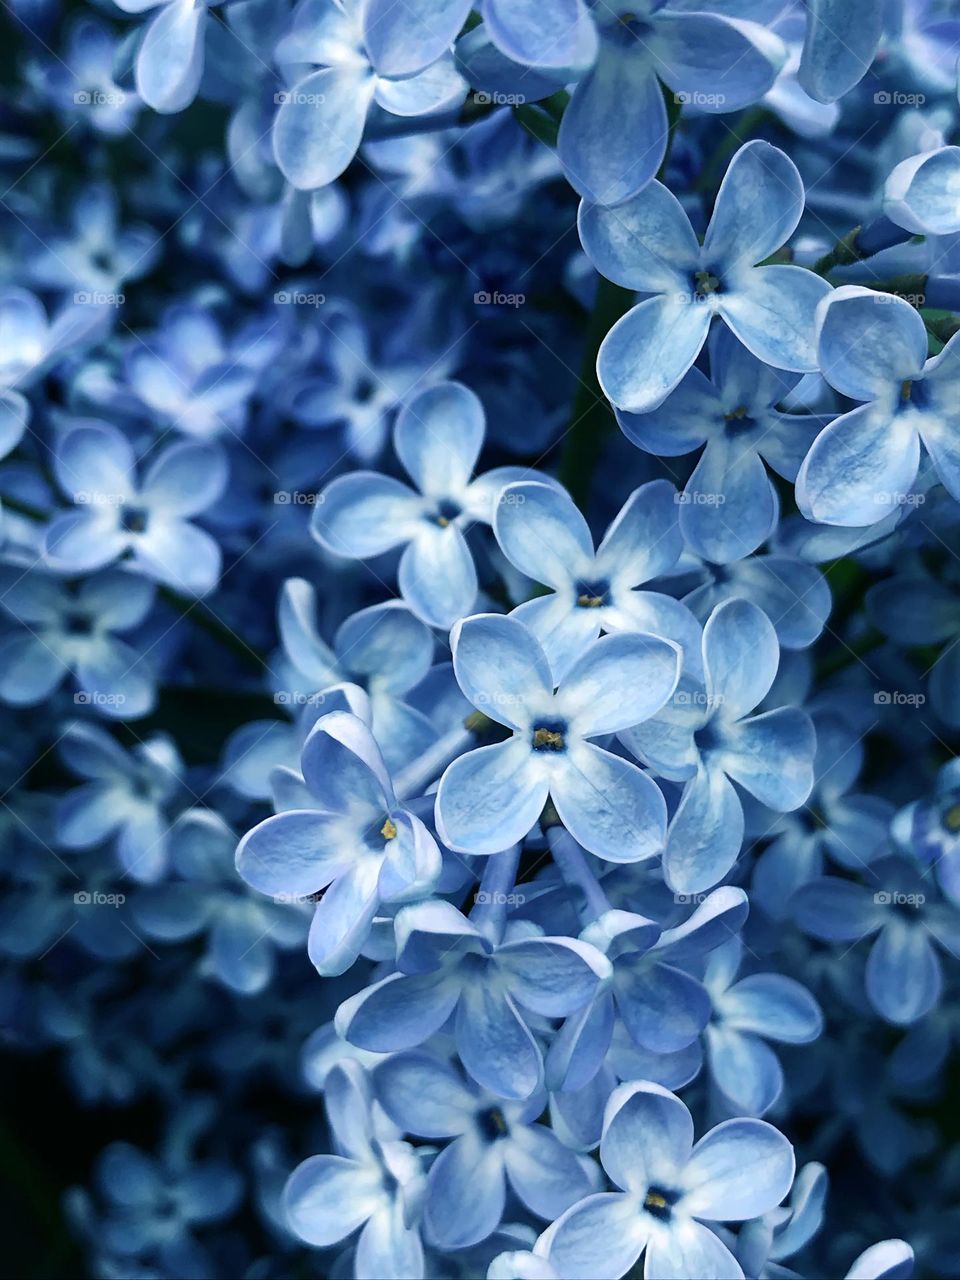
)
(739, 422)
(592, 594)
(365, 390)
(133, 519)
(627, 28)
(77, 623)
(492, 1124)
(659, 1202)
(550, 735)
(445, 513)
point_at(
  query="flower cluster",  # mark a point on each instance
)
(480, 617)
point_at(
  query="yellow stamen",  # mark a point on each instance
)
(951, 819)
(547, 738)
(906, 389)
(389, 830)
(589, 602)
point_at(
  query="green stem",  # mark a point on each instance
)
(843, 254)
(542, 119)
(196, 611)
(746, 124)
(24, 508)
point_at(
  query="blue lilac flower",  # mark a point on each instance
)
(542, 534)
(793, 594)
(929, 829)
(437, 437)
(77, 629)
(448, 965)
(152, 1206)
(653, 991)
(921, 192)
(80, 81)
(669, 1189)
(125, 797)
(648, 244)
(851, 827)
(98, 255)
(706, 738)
(748, 1012)
(364, 376)
(494, 1143)
(863, 465)
(384, 648)
(147, 522)
(766, 1241)
(205, 897)
(350, 842)
(719, 62)
(900, 910)
(490, 798)
(323, 114)
(189, 377)
(374, 1183)
(729, 505)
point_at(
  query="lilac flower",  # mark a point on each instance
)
(205, 897)
(438, 437)
(364, 379)
(322, 116)
(74, 629)
(490, 798)
(792, 593)
(729, 505)
(374, 1183)
(30, 344)
(99, 254)
(495, 1143)
(190, 378)
(154, 1204)
(357, 848)
(920, 193)
(873, 347)
(448, 966)
(648, 244)
(542, 534)
(125, 797)
(929, 829)
(904, 975)
(653, 991)
(706, 738)
(746, 1014)
(851, 827)
(80, 83)
(669, 1189)
(721, 63)
(147, 522)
